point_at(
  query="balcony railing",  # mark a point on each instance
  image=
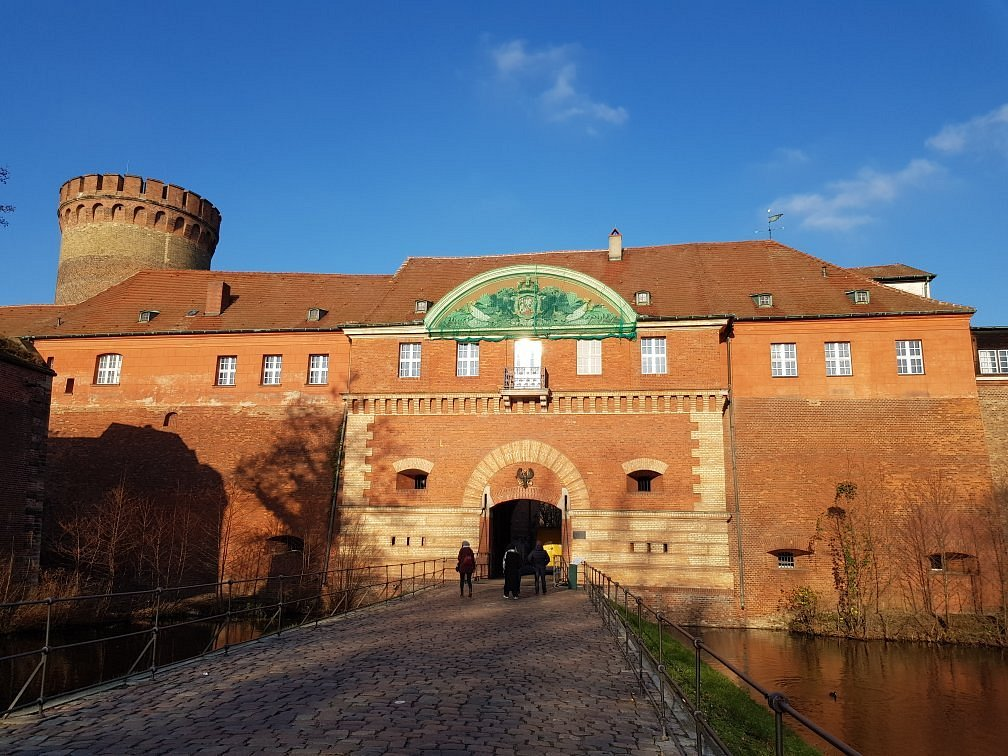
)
(526, 383)
(525, 378)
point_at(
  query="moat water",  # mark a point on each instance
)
(891, 698)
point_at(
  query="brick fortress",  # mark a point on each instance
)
(687, 417)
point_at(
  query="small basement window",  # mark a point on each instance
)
(643, 481)
(415, 480)
(953, 561)
(785, 560)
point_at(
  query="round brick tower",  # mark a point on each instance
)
(115, 225)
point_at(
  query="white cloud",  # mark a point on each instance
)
(847, 204)
(546, 80)
(986, 133)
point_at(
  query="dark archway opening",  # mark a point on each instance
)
(522, 522)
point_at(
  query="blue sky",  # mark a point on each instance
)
(338, 137)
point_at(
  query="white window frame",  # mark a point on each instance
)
(785, 560)
(909, 357)
(272, 369)
(993, 361)
(108, 369)
(409, 359)
(784, 360)
(227, 370)
(653, 355)
(467, 359)
(589, 357)
(838, 358)
(318, 369)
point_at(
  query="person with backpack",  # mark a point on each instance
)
(512, 572)
(466, 567)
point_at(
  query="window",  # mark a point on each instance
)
(643, 481)
(785, 560)
(589, 357)
(227, 367)
(993, 361)
(652, 355)
(763, 300)
(860, 296)
(421, 305)
(318, 369)
(409, 360)
(467, 359)
(314, 314)
(109, 367)
(146, 316)
(783, 360)
(415, 480)
(271, 369)
(953, 561)
(909, 358)
(838, 361)
(642, 297)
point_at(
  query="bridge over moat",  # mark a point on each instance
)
(428, 674)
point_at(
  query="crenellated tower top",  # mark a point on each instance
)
(114, 225)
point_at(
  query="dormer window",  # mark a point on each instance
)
(763, 300)
(642, 297)
(315, 314)
(146, 316)
(422, 305)
(859, 296)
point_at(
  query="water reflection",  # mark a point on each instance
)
(891, 698)
(81, 657)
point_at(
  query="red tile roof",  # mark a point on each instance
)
(685, 280)
(259, 302)
(893, 272)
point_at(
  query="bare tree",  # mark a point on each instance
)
(4, 209)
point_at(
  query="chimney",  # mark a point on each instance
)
(615, 245)
(218, 297)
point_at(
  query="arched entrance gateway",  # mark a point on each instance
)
(526, 491)
(523, 522)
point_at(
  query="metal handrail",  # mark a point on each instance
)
(653, 675)
(309, 597)
(525, 378)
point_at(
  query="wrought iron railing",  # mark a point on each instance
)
(625, 614)
(516, 379)
(273, 604)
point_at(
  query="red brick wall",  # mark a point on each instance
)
(24, 413)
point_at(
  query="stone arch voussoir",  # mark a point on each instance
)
(526, 451)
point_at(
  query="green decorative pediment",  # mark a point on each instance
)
(531, 300)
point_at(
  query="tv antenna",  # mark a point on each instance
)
(772, 218)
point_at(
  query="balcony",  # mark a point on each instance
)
(523, 383)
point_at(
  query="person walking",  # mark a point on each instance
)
(538, 558)
(512, 572)
(466, 567)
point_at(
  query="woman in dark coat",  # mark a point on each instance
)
(512, 572)
(466, 566)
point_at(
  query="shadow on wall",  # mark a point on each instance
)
(133, 508)
(291, 480)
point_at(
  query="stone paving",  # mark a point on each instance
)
(430, 674)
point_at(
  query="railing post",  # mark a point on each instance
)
(227, 616)
(45, 653)
(697, 709)
(640, 643)
(280, 607)
(777, 702)
(661, 668)
(154, 630)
